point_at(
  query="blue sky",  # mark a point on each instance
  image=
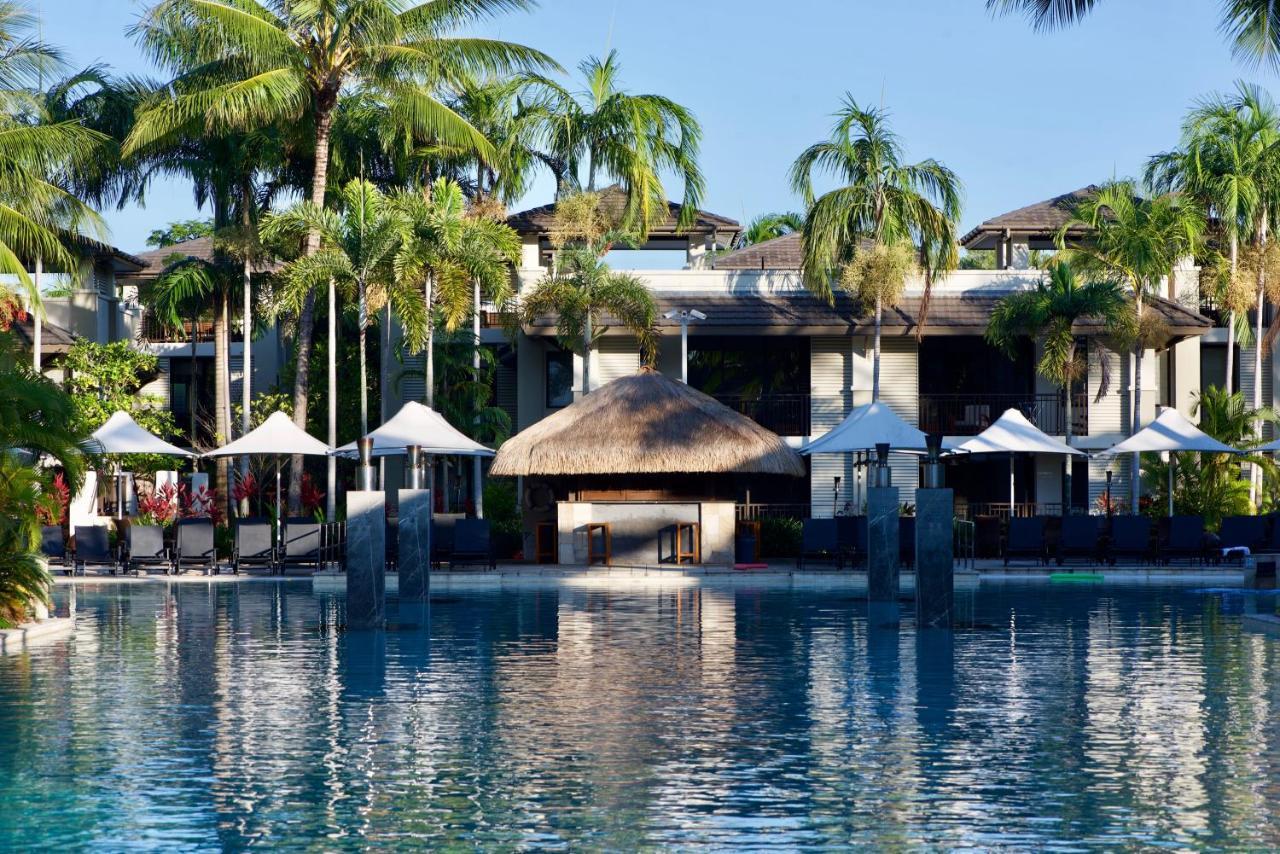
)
(1020, 115)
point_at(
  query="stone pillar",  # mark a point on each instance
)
(366, 559)
(935, 559)
(413, 532)
(882, 544)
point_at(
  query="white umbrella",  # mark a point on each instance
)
(1171, 431)
(278, 436)
(1011, 434)
(122, 435)
(419, 425)
(865, 427)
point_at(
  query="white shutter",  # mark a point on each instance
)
(830, 376)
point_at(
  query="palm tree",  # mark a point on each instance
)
(1139, 241)
(245, 64)
(631, 139)
(1229, 161)
(1051, 311)
(862, 233)
(357, 245)
(769, 226)
(581, 290)
(1249, 24)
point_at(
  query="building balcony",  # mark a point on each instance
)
(784, 414)
(970, 414)
(156, 329)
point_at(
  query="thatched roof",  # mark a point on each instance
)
(646, 424)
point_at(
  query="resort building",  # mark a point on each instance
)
(771, 350)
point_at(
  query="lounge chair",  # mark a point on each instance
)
(907, 541)
(1026, 540)
(1080, 538)
(147, 549)
(1272, 544)
(851, 538)
(53, 545)
(471, 543)
(442, 536)
(1130, 539)
(1248, 532)
(93, 548)
(986, 531)
(1184, 539)
(302, 545)
(253, 546)
(195, 546)
(820, 538)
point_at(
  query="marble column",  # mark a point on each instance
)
(413, 530)
(935, 559)
(882, 544)
(366, 559)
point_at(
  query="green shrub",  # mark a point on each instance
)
(780, 536)
(502, 509)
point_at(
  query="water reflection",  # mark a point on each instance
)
(228, 715)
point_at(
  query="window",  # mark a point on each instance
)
(559, 379)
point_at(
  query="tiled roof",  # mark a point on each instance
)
(539, 220)
(1041, 218)
(53, 339)
(780, 253)
(155, 260)
(801, 311)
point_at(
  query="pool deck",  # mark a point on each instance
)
(782, 575)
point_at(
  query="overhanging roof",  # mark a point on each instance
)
(1037, 224)
(613, 200)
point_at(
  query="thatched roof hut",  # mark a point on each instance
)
(646, 424)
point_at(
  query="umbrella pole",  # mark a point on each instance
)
(279, 521)
(1171, 464)
(1011, 491)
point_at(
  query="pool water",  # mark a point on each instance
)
(229, 715)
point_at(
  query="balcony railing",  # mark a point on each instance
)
(969, 414)
(155, 329)
(784, 414)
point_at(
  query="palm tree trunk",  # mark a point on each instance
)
(1066, 474)
(222, 385)
(306, 319)
(246, 383)
(875, 363)
(475, 368)
(191, 392)
(1134, 475)
(36, 312)
(1231, 315)
(332, 494)
(363, 321)
(586, 356)
(428, 360)
(1254, 472)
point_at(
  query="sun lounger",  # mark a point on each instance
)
(53, 545)
(442, 536)
(147, 549)
(1243, 532)
(819, 538)
(195, 546)
(1026, 540)
(253, 546)
(1130, 540)
(851, 538)
(1080, 538)
(302, 544)
(471, 544)
(93, 548)
(1185, 539)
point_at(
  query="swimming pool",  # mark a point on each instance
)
(224, 715)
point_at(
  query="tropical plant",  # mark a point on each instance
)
(251, 64)
(868, 234)
(36, 421)
(1210, 485)
(1052, 311)
(1250, 25)
(632, 139)
(180, 231)
(358, 243)
(1230, 162)
(581, 290)
(1137, 241)
(769, 226)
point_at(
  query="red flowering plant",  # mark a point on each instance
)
(52, 510)
(312, 497)
(201, 503)
(246, 488)
(160, 507)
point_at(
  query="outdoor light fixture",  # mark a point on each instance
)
(684, 315)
